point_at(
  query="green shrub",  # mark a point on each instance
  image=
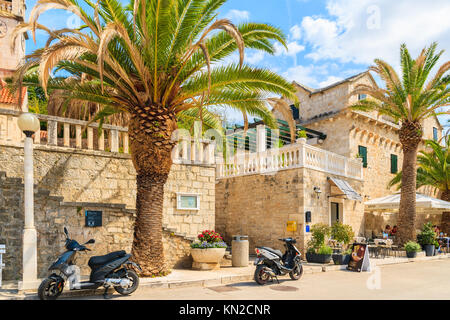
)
(301, 134)
(427, 235)
(412, 246)
(342, 233)
(325, 250)
(320, 232)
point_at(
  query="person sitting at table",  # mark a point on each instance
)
(386, 231)
(437, 231)
(393, 231)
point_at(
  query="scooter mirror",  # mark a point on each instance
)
(66, 232)
(90, 241)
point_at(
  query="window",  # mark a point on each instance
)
(435, 134)
(188, 201)
(295, 112)
(394, 164)
(362, 151)
(362, 96)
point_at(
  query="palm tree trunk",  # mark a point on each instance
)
(151, 148)
(445, 195)
(407, 209)
(410, 136)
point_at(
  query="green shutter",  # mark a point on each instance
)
(363, 152)
(394, 161)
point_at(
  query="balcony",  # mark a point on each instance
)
(6, 6)
(298, 155)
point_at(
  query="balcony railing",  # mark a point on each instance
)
(298, 155)
(6, 6)
(70, 133)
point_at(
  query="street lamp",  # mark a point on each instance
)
(29, 124)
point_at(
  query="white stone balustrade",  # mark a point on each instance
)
(298, 155)
(77, 134)
(6, 6)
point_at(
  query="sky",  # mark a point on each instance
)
(328, 40)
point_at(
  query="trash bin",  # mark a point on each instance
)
(239, 251)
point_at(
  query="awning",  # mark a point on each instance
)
(347, 190)
(393, 202)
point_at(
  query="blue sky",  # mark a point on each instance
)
(328, 40)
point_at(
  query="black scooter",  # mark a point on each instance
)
(113, 269)
(272, 263)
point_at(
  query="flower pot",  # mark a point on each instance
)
(429, 250)
(318, 258)
(341, 259)
(207, 259)
(411, 254)
(301, 140)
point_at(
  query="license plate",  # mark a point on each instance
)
(257, 261)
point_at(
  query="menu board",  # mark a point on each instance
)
(359, 260)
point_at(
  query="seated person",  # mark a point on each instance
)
(387, 231)
(437, 231)
(393, 231)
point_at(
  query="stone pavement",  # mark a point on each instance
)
(192, 278)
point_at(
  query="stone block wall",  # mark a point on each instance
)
(261, 205)
(95, 176)
(375, 222)
(52, 214)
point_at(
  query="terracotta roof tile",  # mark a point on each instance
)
(6, 96)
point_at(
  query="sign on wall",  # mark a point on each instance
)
(93, 218)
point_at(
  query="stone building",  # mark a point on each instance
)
(258, 198)
(73, 179)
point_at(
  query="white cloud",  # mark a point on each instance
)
(254, 57)
(237, 16)
(296, 32)
(293, 48)
(360, 31)
(329, 81)
(307, 75)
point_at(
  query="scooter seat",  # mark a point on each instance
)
(101, 260)
(276, 252)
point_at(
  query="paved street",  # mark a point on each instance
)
(419, 280)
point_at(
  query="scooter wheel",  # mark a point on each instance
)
(135, 283)
(50, 289)
(261, 277)
(297, 273)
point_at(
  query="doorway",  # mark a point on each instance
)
(336, 213)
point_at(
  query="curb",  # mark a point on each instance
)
(222, 280)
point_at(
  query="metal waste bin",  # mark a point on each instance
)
(239, 251)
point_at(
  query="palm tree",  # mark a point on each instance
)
(433, 169)
(155, 60)
(408, 100)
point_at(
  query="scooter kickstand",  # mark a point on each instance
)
(106, 295)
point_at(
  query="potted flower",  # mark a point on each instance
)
(208, 250)
(412, 248)
(301, 134)
(343, 234)
(427, 238)
(318, 251)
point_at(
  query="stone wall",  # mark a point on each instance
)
(375, 222)
(261, 205)
(96, 176)
(52, 214)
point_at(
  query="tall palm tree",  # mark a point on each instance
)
(409, 100)
(155, 60)
(433, 169)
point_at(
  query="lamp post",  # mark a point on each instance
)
(29, 124)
